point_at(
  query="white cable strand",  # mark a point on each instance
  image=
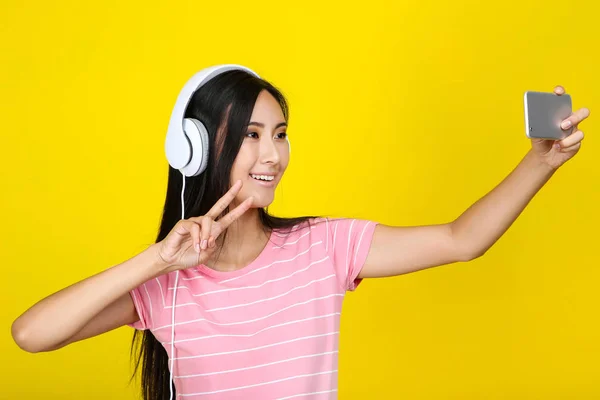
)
(174, 298)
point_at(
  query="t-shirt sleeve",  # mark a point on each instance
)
(148, 299)
(348, 242)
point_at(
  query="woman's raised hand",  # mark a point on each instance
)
(192, 241)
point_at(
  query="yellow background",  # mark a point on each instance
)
(401, 112)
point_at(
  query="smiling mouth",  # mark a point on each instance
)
(262, 178)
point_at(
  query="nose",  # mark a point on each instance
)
(269, 154)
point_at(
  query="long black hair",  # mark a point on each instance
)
(224, 105)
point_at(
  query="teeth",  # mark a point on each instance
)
(263, 177)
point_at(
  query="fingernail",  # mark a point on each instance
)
(204, 242)
(566, 124)
(557, 145)
(197, 247)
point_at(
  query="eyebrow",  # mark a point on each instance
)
(263, 125)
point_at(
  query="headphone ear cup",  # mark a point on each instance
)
(197, 134)
(179, 150)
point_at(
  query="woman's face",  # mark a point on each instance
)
(264, 155)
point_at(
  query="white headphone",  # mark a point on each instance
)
(187, 138)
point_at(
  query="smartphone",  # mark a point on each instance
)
(543, 114)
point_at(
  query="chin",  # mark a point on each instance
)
(261, 202)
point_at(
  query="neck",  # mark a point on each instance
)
(245, 239)
(244, 229)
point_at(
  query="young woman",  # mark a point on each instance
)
(232, 302)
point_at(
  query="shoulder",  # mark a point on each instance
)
(331, 231)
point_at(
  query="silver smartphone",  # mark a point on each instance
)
(543, 114)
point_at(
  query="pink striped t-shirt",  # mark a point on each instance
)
(269, 330)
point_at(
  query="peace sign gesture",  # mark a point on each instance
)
(192, 241)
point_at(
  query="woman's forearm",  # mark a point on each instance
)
(61, 315)
(482, 224)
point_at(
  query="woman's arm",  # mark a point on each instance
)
(399, 250)
(87, 308)
(482, 224)
(102, 302)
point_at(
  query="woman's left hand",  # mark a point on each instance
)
(556, 152)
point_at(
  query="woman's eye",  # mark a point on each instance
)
(254, 135)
